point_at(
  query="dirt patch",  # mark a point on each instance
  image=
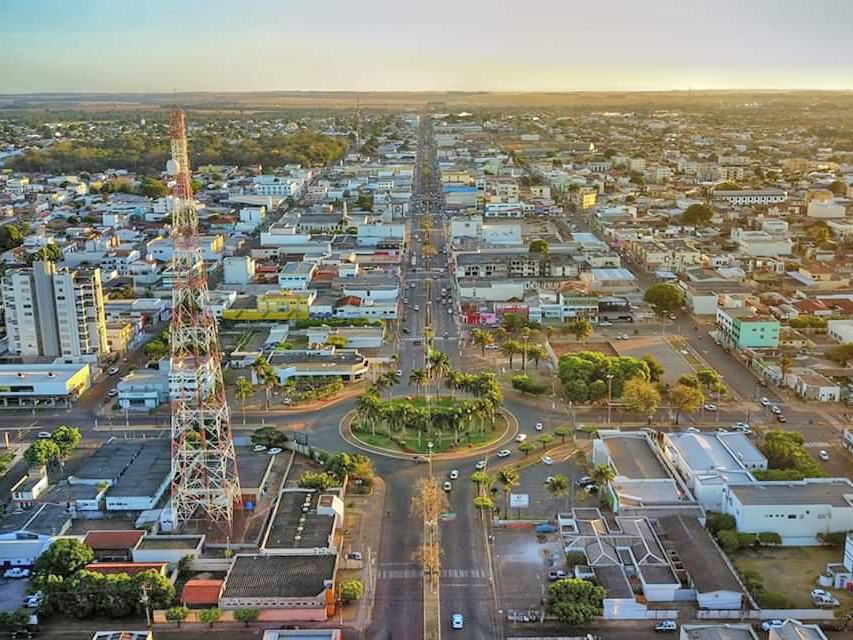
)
(562, 347)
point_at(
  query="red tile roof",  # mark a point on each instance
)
(201, 592)
(108, 540)
(130, 568)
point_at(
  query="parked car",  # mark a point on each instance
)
(775, 409)
(112, 371)
(539, 426)
(448, 486)
(740, 426)
(547, 460)
(584, 481)
(667, 626)
(355, 555)
(259, 448)
(44, 435)
(399, 373)
(781, 418)
(112, 393)
(503, 453)
(521, 437)
(16, 572)
(457, 621)
(710, 407)
(480, 465)
(606, 323)
(591, 489)
(559, 574)
(823, 598)
(823, 455)
(765, 402)
(34, 601)
(274, 451)
(770, 624)
(454, 474)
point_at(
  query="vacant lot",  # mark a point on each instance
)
(791, 571)
(673, 362)
(567, 344)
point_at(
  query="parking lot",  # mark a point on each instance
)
(12, 592)
(532, 483)
(523, 563)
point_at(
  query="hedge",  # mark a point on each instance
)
(769, 537)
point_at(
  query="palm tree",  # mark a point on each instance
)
(508, 349)
(418, 377)
(482, 339)
(391, 380)
(509, 478)
(243, 390)
(368, 408)
(537, 352)
(558, 486)
(266, 376)
(563, 433)
(439, 365)
(525, 336)
(603, 474)
(453, 381)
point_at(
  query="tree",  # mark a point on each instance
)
(244, 390)
(641, 396)
(153, 188)
(664, 297)
(480, 477)
(209, 616)
(656, 369)
(841, 354)
(509, 478)
(177, 614)
(269, 437)
(66, 438)
(41, 452)
(484, 503)
(317, 480)
(558, 485)
(156, 586)
(838, 187)
(545, 439)
(246, 615)
(509, 348)
(537, 352)
(63, 558)
(728, 540)
(356, 466)
(580, 329)
(575, 602)
(482, 338)
(526, 447)
(49, 253)
(351, 590)
(562, 433)
(338, 341)
(266, 376)
(418, 377)
(819, 232)
(697, 215)
(603, 474)
(539, 246)
(685, 399)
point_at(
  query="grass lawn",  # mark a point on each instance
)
(5, 460)
(443, 443)
(791, 571)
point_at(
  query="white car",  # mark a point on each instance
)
(112, 393)
(259, 448)
(605, 324)
(765, 402)
(584, 481)
(775, 409)
(539, 426)
(480, 465)
(399, 373)
(521, 437)
(454, 474)
(823, 455)
(274, 451)
(740, 426)
(457, 621)
(16, 572)
(503, 453)
(549, 479)
(44, 435)
(667, 625)
(722, 430)
(547, 460)
(447, 485)
(450, 311)
(624, 336)
(710, 407)
(770, 624)
(112, 371)
(34, 601)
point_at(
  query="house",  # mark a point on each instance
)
(615, 280)
(811, 385)
(798, 511)
(113, 545)
(202, 593)
(728, 631)
(796, 630)
(170, 549)
(747, 197)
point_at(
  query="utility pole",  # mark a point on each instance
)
(609, 377)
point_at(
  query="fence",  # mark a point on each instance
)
(765, 614)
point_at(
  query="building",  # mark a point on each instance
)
(42, 385)
(349, 365)
(796, 630)
(170, 549)
(742, 328)
(799, 511)
(726, 631)
(113, 545)
(238, 269)
(747, 197)
(55, 312)
(273, 305)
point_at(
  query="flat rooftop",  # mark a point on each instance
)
(251, 466)
(719, 632)
(110, 460)
(612, 577)
(836, 492)
(279, 576)
(696, 551)
(634, 458)
(290, 522)
(145, 473)
(708, 451)
(15, 375)
(170, 542)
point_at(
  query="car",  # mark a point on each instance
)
(781, 418)
(765, 402)
(623, 336)
(722, 430)
(770, 624)
(539, 426)
(259, 448)
(355, 555)
(34, 601)
(492, 347)
(823, 455)
(584, 481)
(521, 437)
(591, 488)
(740, 426)
(406, 330)
(274, 451)
(16, 572)
(446, 334)
(457, 621)
(447, 485)
(775, 409)
(549, 479)
(112, 371)
(547, 460)
(666, 626)
(672, 316)
(559, 574)
(44, 435)
(417, 307)
(412, 285)
(450, 311)
(454, 474)
(112, 393)
(503, 453)
(605, 324)
(710, 406)
(480, 465)
(399, 373)
(693, 430)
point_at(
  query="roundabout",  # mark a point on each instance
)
(504, 432)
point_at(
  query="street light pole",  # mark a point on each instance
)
(430, 446)
(609, 377)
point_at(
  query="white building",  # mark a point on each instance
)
(48, 384)
(55, 312)
(761, 243)
(840, 330)
(238, 269)
(752, 196)
(827, 209)
(369, 235)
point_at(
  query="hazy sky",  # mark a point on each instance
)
(502, 45)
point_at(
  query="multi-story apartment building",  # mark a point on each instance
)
(742, 328)
(55, 312)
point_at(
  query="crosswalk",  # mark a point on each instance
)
(816, 445)
(411, 574)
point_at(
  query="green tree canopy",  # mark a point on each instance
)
(539, 246)
(351, 590)
(63, 558)
(697, 215)
(66, 438)
(575, 602)
(664, 297)
(41, 452)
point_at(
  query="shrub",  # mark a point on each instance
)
(771, 600)
(574, 558)
(351, 590)
(177, 614)
(728, 540)
(746, 540)
(525, 384)
(209, 615)
(833, 539)
(314, 480)
(769, 537)
(717, 522)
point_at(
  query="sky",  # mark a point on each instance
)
(423, 45)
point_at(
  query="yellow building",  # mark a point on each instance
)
(119, 336)
(275, 305)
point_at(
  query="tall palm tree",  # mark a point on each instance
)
(509, 478)
(558, 486)
(603, 474)
(418, 377)
(482, 339)
(453, 381)
(368, 407)
(537, 352)
(439, 364)
(508, 349)
(266, 376)
(244, 390)
(525, 337)
(391, 380)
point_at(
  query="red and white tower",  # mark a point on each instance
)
(204, 469)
